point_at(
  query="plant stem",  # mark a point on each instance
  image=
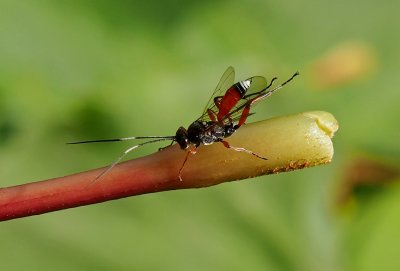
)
(289, 142)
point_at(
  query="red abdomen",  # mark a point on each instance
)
(230, 99)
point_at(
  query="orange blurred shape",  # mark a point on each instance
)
(365, 174)
(343, 64)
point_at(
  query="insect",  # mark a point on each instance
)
(226, 111)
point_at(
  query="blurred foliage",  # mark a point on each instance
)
(76, 70)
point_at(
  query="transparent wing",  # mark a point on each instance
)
(224, 83)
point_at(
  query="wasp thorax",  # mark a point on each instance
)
(229, 130)
(181, 137)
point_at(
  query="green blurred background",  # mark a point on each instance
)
(75, 70)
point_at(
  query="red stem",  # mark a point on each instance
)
(152, 173)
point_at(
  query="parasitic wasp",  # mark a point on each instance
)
(226, 111)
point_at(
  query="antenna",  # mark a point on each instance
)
(154, 139)
(121, 139)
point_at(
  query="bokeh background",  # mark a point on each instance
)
(75, 70)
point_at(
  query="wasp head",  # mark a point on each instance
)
(181, 137)
(194, 133)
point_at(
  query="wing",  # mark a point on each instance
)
(224, 83)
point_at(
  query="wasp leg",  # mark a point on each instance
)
(212, 115)
(191, 151)
(172, 142)
(248, 104)
(260, 96)
(227, 145)
(244, 115)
